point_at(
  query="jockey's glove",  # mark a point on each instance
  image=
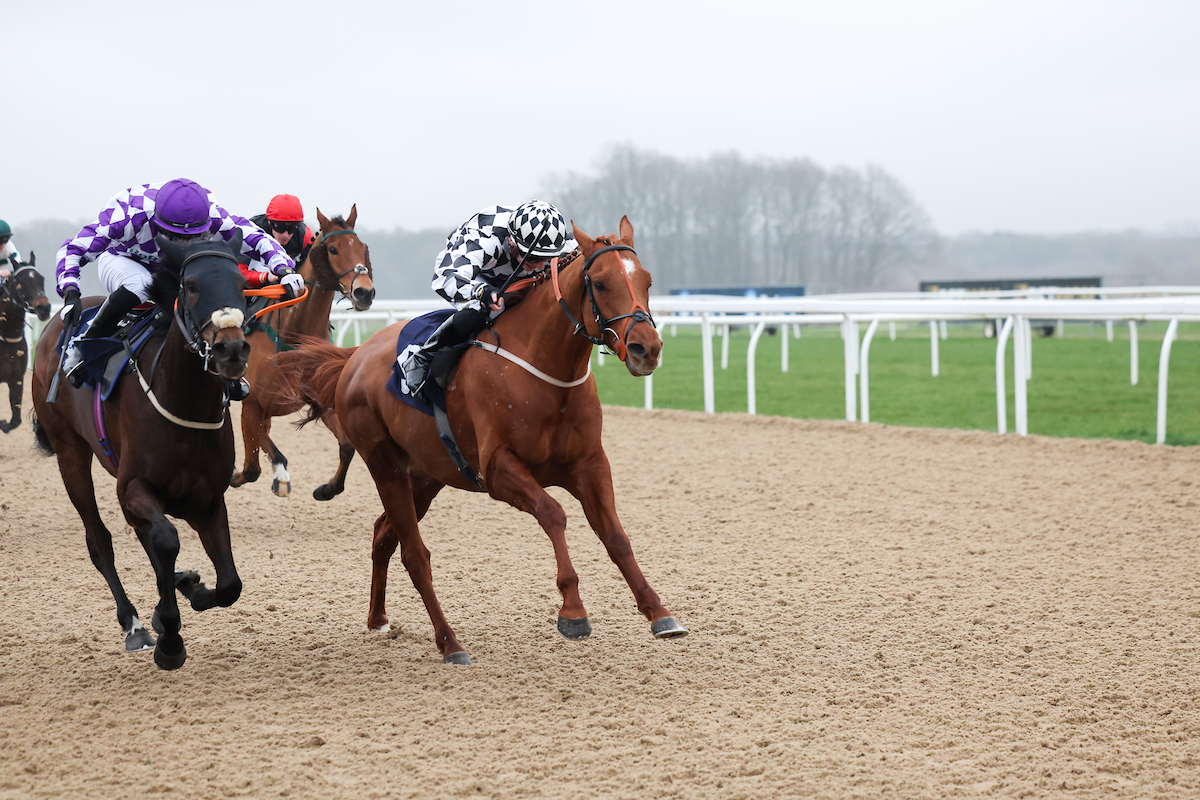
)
(72, 308)
(487, 296)
(293, 282)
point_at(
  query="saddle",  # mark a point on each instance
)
(105, 358)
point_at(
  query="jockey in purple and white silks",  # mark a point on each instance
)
(479, 256)
(121, 242)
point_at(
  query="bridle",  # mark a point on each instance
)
(637, 312)
(191, 328)
(357, 269)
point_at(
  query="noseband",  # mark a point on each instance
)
(637, 313)
(357, 269)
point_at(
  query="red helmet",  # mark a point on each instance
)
(285, 208)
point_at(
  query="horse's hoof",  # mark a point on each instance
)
(461, 658)
(324, 492)
(169, 662)
(4, 427)
(574, 628)
(12, 426)
(281, 488)
(139, 639)
(667, 628)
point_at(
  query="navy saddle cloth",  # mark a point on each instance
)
(105, 358)
(412, 337)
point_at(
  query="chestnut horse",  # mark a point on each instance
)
(339, 263)
(24, 290)
(520, 431)
(169, 437)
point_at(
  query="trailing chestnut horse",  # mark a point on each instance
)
(519, 431)
(169, 439)
(23, 290)
(339, 263)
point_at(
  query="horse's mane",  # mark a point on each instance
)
(164, 286)
(323, 274)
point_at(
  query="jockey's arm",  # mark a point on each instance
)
(261, 251)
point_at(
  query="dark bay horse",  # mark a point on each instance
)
(338, 264)
(24, 290)
(169, 432)
(519, 431)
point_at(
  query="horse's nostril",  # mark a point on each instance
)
(636, 350)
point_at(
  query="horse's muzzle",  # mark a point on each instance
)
(641, 359)
(42, 310)
(362, 298)
(230, 356)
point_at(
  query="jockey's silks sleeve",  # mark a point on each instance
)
(123, 228)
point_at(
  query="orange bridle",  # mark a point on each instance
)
(637, 312)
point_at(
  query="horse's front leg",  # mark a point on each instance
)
(16, 388)
(253, 434)
(281, 483)
(508, 479)
(158, 536)
(213, 529)
(590, 481)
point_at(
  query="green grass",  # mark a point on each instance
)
(1080, 385)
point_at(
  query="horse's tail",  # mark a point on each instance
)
(41, 442)
(312, 370)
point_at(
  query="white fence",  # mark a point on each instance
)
(717, 315)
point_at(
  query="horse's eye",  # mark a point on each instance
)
(333, 251)
(599, 286)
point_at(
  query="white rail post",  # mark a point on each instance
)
(863, 356)
(1001, 390)
(933, 346)
(1020, 362)
(600, 356)
(784, 335)
(1133, 353)
(892, 330)
(1060, 329)
(1108, 330)
(943, 330)
(751, 351)
(850, 350)
(706, 356)
(1028, 349)
(649, 394)
(724, 347)
(1164, 362)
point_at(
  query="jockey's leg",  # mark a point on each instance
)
(128, 283)
(458, 328)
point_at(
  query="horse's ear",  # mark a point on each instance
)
(172, 250)
(13, 260)
(626, 230)
(585, 242)
(322, 220)
(32, 258)
(353, 215)
(235, 241)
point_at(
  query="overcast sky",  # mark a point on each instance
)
(1022, 116)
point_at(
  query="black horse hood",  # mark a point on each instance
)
(204, 276)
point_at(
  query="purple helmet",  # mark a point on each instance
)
(182, 206)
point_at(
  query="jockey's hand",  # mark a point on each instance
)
(490, 299)
(293, 282)
(72, 308)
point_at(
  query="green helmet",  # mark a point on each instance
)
(4, 229)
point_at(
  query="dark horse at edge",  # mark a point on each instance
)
(22, 291)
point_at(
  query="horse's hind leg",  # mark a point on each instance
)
(15, 389)
(213, 529)
(161, 542)
(591, 483)
(75, 463)
(509, 480)
(337, 484)
(253, 434)
(398, 527)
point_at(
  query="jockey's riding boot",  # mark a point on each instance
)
(458, 328)
(237, 390)
(105, 323)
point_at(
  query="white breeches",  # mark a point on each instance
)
(116, 271)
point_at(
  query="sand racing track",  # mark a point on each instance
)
(875, 612)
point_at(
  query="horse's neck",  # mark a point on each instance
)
(12, 318)
(539, 331)
(311, 317)
(180, 380)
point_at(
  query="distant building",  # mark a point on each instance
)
(746, 291)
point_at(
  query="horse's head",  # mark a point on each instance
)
(201, 282)
(27, 288)
(619, 290)
(342, 262)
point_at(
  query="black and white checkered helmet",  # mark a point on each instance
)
(540, 230)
